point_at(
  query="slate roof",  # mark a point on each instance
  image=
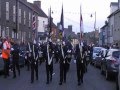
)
(40, 11)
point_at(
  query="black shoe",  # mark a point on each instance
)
(31, 81)
(47, 82)
(64, 81)
(19, 73)
(37, 78)
(8, 75)
(79, 83)
(82, 81)
(14, 77)
(60, 83)
(5, 76)
(50, 79)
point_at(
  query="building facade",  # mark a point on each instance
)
(16, 20)
(116, 32)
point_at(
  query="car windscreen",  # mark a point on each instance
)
(96, 50)
(116, 54)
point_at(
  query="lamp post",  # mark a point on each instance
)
(95, 22)
(94, 32)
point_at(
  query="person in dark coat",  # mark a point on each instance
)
(62, 62)
(68, 55)
(27, 56)
(40, 52)
(79, 63)
(15, 59)
(34, 60)
(49, 62)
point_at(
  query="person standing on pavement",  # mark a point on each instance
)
(6, 55)
(28, 55)
(49, 62)
(15, 58)
(79, 63)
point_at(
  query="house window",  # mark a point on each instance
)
(7, 31)
(14, 10)
(19, 35)
(29, 19)
(29, 35)
(24, 17)
(24, 36)
(13, 34)
(3, 32)
(19, 15)
(7, 10)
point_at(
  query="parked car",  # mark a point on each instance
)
(96, 51)
(109, 65)
(118, 78)
(101, 55)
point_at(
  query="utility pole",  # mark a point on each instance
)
(95, 28)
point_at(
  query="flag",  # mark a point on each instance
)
(81, 25)
(61, 26)
(49, 23)
(49, 36)
(34, 26)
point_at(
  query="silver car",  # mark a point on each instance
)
(96, 51)
(110, 63)
(101, 55)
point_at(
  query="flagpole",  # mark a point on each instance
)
(81, 25)
(95, 22)
(81, 32)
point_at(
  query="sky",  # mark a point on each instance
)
(72, 12)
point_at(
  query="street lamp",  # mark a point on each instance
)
(94, 21)
(94, 27)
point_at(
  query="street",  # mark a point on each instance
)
(93, 80)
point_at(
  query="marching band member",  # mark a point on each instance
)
(49, 62)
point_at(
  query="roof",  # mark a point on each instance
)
(40, 11)
(68, 33)
(114, 3)
(26, 4)
(117, 11)
(104, 26)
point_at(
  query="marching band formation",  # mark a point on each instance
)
(37, 53)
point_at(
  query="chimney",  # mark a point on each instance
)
(118, 4)
(70, 28)
(38, 3)
(113, 7)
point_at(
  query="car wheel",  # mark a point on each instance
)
(107, 75)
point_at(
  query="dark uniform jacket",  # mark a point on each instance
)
(15, 51)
